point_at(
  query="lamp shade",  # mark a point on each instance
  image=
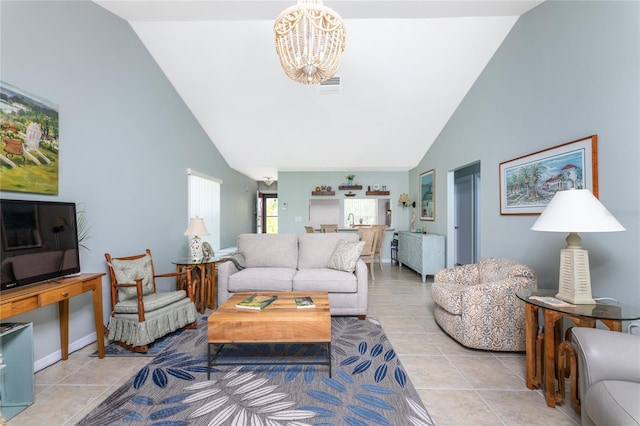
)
(196, 227)
(576, 210)
(404, 199)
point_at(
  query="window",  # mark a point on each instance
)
(204, 202)
(364, 211)
(267, 213)
(372, 211)
(271, 213)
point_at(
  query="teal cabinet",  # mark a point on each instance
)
(424, 253)
(16, 378)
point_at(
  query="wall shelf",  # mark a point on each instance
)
(323, 192)
(378, 192)
(348, 187)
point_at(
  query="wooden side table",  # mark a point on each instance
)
(24, 299)
(203, 280)
(542, 347)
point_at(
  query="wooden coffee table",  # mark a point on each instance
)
(280, 322)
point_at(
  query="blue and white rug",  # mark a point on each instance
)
(369, 385)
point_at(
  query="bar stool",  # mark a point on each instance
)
(394, 248)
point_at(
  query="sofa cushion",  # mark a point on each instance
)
(127, 271)
(151, 302)
(316, 249)
(269, 250)
(324, 279)
(262, 279)
(345, 255)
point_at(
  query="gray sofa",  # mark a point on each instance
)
(608, 376)
(289, 262)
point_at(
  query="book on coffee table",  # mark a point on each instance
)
(304, 302)
(256, 301)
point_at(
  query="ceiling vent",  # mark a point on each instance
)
(331, 86)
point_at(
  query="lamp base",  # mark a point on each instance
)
(575, 279)
(196, 248)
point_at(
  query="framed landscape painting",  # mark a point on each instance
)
(428, 195)
(528, 183)
(30, 142)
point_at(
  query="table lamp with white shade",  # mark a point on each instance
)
(573, 211)
(195, 229)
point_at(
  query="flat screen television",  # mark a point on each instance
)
(39, 242)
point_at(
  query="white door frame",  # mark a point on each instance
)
(451, 217)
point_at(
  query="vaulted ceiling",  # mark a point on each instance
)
(406, 67)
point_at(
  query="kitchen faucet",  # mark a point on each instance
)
(353, 219)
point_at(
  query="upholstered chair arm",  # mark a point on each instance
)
(463, 274)
(224, 271)
(606, 355)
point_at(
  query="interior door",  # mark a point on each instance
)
(270, 213)
(464, 220)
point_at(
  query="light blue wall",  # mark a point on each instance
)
(126, 142)
(294, 189)
(567, 70)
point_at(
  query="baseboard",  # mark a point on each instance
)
(56, 356)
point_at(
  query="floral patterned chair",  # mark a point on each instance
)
(477, 305)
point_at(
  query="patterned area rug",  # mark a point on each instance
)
(369, 386)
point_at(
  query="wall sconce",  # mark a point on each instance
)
(404, 200)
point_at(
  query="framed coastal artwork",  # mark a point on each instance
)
(428, 195)
(30, 142)
(528, 183)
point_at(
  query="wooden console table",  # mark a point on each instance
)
(25, 299)
(541, 349)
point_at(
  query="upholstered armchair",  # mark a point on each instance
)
(477, 305)
(608, 376)
(139, 313)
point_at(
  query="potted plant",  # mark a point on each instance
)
(350, 178)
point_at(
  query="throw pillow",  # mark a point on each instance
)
(345, 255)
(127, 271)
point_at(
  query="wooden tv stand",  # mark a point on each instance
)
(25, 299)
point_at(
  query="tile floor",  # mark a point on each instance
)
(458, 386)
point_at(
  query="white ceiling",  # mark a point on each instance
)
(406, 67)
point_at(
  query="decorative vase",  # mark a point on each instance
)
(350, 182)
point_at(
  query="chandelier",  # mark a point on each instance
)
(309, 40)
